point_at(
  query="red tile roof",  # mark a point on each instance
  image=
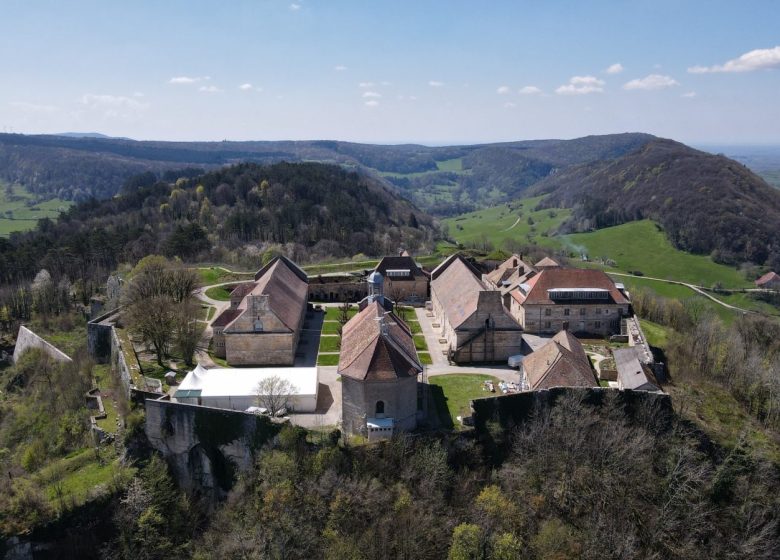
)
(399, 263)
(242, 289)
(561, 362)
(561, 278)
(768, 277)
(369, 355)
(546, 262)
(226, 317)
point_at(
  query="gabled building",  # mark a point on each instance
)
(405, 282)
(632, 374)
(264, 327)
(507, 272)
(561, 362)
(471, 317)
(579, 300)
(769, 281)
(379, 367)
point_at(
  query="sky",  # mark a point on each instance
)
(432, 72)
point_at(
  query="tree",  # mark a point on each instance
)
(273, 393)
(188, 330)
(466, 543)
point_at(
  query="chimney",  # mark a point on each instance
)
(514, 263)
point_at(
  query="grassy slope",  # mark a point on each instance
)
(24, 217)
(495, 224)
(642, 246)
(457, 392)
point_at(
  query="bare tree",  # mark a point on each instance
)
(273, 393)
(188, 330)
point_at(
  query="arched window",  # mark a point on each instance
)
(380, 407)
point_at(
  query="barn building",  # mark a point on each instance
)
(471, 316)
(561, 362)
(263, 328)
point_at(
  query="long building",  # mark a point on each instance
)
(582, 301)
(471, 316)
(265, 326)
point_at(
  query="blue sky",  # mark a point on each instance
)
(403, 71)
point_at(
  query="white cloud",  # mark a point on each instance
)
(245, 87)
(529, 90)
(616, 68)
(113, 106)
(366, 85)
(651, 82)
(435, 83)
(371, 94)
(581, 85)
(510, 105)
(503, 90)
(689, 95)
(209, 89)
(754, 60)
(34, 107)
(340, 68)
(188, 80)
(372, 103)
(295, 7)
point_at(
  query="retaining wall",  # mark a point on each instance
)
(206, 447)
(27, 339)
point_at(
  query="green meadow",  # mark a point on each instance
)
(20, 210)
(518, 221)
(644, 247)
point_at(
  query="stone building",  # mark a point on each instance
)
(582, 301)
(632, 374)
(379, 368)
(507, 273)
(561, 362)
(264, 327)
(470, 316)
(405, 281)
(337, 287)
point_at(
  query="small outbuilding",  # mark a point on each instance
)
(632, 374)
(769, 281)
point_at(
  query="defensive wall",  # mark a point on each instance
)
(26, 339)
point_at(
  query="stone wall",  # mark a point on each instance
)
(359, 400)
(206, 447)
(26, 339)
(515, 409)
(601, 319)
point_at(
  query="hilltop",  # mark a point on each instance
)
(444, 180)
(707, 204)
(244, 212)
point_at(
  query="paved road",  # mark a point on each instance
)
(698, 289)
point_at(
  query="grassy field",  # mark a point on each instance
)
(220, 293)
(328, 360)
(456, 392)
(329, 344)
(508, 221)
(657, 335)
(642, 246)
(451, 165)
(217, 275)
(21, 210)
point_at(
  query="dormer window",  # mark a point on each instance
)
(258, 327)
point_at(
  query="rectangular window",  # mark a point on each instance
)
(582, 311)
(606, 312)
(548, 312)
(565, 311)
(598, 311)
(547, 324)
(598, 324)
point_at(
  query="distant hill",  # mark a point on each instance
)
(237, 214)
(706, 203)
(443, 180)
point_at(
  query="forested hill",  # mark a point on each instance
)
(238, 214)
(444, 180)
(706, 203)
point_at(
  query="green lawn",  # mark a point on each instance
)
(420, 344)
(425, 358)
(21, 211)
(332, 313)
(657, 335)
(456, 392)
(451, 165)
(329, 344)
(509, 221)
(415, 327)
(330, 327)
(328, 360)
(642, 246)
(217, 275)
(220, 293)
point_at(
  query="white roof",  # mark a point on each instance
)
(234, 382)
(379, 422)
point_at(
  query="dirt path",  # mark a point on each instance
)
(517, 221)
